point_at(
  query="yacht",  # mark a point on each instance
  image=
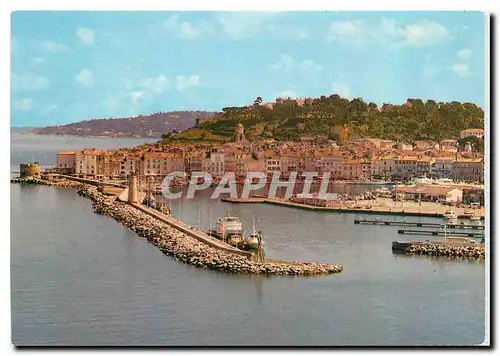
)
(451, 217)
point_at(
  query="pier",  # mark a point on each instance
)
(417, 224)
(442, 233)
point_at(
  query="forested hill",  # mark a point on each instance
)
(153, 125)
(339, 119)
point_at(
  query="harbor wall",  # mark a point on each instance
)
(210, 241)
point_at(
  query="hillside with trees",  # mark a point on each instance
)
(341, 119)
(153, 125)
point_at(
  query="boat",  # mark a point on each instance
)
(229, 228)
(450, 214)
(451, 217)
(252, 241)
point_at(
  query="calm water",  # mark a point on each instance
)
(83, 279)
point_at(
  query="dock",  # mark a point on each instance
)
(442, 233)
(417, 224)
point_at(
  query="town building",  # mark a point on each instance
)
(66, 162)
(384, 167)
(442, 167)
(406, 167)
(479, 133)
(468, 169)
(431, 194)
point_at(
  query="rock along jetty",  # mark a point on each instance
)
(60, 183)
(441, 249)
(185, 248)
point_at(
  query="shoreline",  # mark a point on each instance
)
(181, 246)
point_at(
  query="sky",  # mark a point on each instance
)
(73, 66)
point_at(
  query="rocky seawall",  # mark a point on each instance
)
(450, 250)
(181, 246)
(60, 183)
(186, 249)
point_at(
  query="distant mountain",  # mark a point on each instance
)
(153, 125)
(15, 129)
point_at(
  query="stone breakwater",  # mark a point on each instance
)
(60, 183)
(186, 249)
(450, 250)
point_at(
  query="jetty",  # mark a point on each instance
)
(457, 249)
(177, 239)
(417, 224)
(442, 233)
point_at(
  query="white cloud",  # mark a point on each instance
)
(461, 69)
(347, 28)
(136, 95)
(285, 64)
(184, 29)
(359, 32)
(424, 33)
(183, 83)
(52, 47)
(310, 66)
(85, 78)
(240, 25)
(287, 94)
(464, 54)
(342, 89)
(25, 104)
(86, 35)
(155, 85)
(29, 82)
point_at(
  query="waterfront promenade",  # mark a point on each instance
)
(380, 206)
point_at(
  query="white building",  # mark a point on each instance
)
(472, 132)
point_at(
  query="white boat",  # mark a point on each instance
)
(252, 241)
(450, 214)
(451, 217)
(228, 226)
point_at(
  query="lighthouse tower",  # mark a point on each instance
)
(132, 188)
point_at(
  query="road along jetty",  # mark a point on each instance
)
(181, 245)
(440, 248)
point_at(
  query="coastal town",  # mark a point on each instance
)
(358, 161)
